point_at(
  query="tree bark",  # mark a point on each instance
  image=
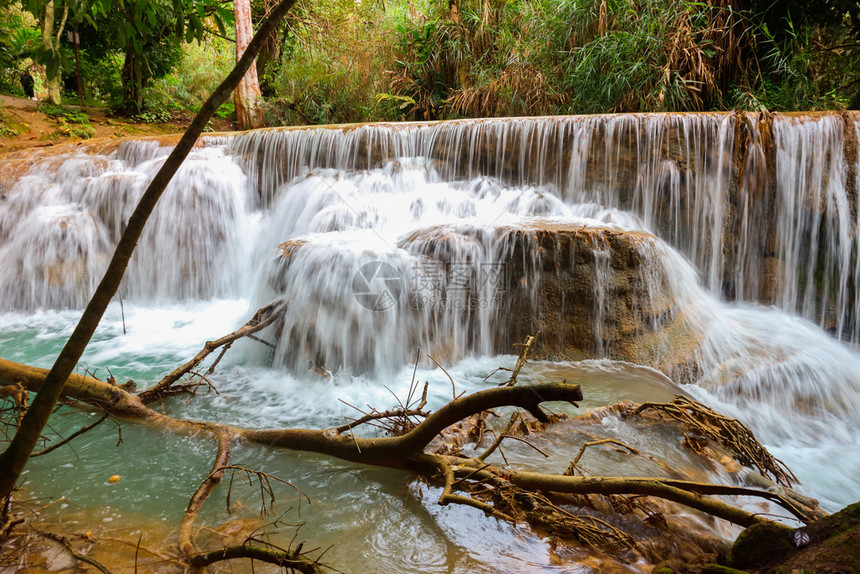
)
(53, 70)
(247, 97)
(407, 452)
(132, 82)
(14, 458)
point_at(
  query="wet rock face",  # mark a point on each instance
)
(592, 292)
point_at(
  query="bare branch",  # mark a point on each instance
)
(571, 469)
(75, 554)
(261, 319)
(186, 536)
(729, 432)
(521, 361)
(289, 560)
(75, 434)
(450, 378)
(500, 436)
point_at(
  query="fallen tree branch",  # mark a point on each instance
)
(292, 561)
(407, 452)
(730, 433)
(81, 387)
(71, 550)
(571, 470)
(499, 437)
(683, 492)
(74, 435)
(186, 535)
(521, 361)
(261, 319)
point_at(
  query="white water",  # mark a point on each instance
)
(439, 203)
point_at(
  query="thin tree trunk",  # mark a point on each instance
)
(132, 82)
(15, 457)
(248, 101)
(53, 71)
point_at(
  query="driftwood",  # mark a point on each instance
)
(406, 452)
(512, 495)
(730, 433)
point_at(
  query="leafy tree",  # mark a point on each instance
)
(147, 32)
(16, 455)
(18, 41)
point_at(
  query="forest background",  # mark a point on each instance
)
(343, 61)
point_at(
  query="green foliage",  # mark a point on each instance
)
(77, 131)
(100, 76)
(528, 57)
(18, 40)
(153, 116)
(806, 67)
(64, 114)
(337, 61)
(187, 85)
(7, 129)
(332, 63)
(226, 111)
(148, 33)
(72, 123)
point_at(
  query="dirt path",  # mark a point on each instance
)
(23, 125)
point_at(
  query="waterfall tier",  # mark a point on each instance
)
(765, 207)
(648, 238)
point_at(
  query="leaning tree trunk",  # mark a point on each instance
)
(15, 457)
(249, 110)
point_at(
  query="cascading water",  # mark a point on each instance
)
(620, 237)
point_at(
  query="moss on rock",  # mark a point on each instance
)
(760, 545)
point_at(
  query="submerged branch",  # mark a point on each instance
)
(729, 432)
(69, 438)
(71, 550)
(290, 560)
(683, 492)
(407, 452)
(186, 535)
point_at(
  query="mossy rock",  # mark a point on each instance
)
(760, 545)
(718, 569)
(833, 548)
(671, 566)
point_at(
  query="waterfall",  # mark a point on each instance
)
(773, 221)
(721, 249)
(60, 223)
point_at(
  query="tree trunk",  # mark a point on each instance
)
(132, 82)
(15, 457)
(248, 101)
(53, 71)
(407, 452)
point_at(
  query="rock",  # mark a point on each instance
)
(833, 548)
(591, 291)
(760, 545)
(718, 569)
